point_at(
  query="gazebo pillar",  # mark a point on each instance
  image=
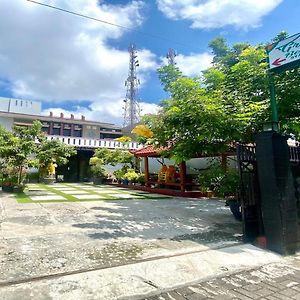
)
(146, 167)
(224, 161)
(182, 176)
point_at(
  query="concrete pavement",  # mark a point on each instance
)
(125, 249)
(143, 279)
(275, 281)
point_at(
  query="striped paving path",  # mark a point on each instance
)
(65, 192)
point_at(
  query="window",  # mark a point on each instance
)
(45, 129)
(56, 131)
(109, 136)
(77, 133)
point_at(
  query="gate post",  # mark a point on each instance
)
(278, 202)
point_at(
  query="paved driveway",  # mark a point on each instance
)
(44, 238)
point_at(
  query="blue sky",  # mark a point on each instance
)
(74, 65)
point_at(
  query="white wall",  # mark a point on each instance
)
(193, 166)
(4, 104)
(25, 107)
(7, 123)
(20, 106)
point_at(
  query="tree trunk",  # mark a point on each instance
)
(20, 174)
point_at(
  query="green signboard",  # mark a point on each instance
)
(284, 54)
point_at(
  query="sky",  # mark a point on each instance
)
(79, 66)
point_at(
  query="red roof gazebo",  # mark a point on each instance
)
(150, 151)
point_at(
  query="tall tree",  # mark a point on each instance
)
(18, 147)
(52, 152)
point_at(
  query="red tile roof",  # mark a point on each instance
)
(149, 151)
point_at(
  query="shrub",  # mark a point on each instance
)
(120, 174)
(222, 183)
(131, 175)
(98, 171)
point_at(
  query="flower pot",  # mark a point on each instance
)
(12, 189)
(18, 189)
(48, 180)
(98, 180)
(210, 194)
(7, 188)
(235, 209)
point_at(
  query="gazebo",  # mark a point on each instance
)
(183, 184)
(150, 151)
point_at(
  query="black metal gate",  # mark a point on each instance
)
(294, 153)
(249, 192)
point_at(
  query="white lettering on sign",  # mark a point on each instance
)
(284, 52)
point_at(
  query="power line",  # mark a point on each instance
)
(106, 22)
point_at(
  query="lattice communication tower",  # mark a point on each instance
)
(171, 57)
(132, 107)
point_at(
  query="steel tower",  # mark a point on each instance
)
(171, 57)
(132, 107)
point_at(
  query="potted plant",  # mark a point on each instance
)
(141, 179)
(10, 185)
(120, 174)
(99, 174)
(225, 184)
(131, 175)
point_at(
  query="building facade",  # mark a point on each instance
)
(84, 135)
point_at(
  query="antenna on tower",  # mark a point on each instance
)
(171, 57)
(132, 107)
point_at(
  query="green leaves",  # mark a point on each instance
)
(19, 149)
(228, 104)
(49, 151)
(111, 157)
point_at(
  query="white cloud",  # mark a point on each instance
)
(52, 56)
(193, 64)
(218, 13)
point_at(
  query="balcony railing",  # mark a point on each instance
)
(80, 142)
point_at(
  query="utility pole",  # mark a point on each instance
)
(171, 57)
(132, 107)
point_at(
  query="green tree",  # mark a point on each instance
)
(229, 103)
(240, 79)
(167, 75)
(18, 147)
(191, 122)
(111, 157)
(52, 151)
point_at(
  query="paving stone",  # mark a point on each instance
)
(269, 287)
(75, 192)
(88, 197)
(224, 297)
(282, 297)
(296, 287)
(184, 291)
(252, 287)
(289, 292)
(250, 295)
(174, 295)
(197, 297)
(271, 297)
(239, 295)
(47, 198)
